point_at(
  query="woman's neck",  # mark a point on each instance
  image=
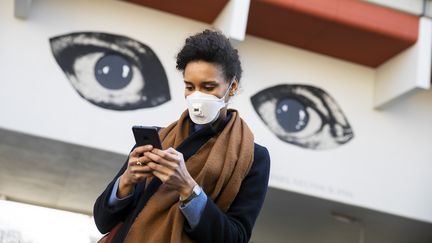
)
(220, 119)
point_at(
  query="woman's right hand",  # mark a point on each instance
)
(136, 171)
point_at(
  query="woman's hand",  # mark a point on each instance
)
(169, 166)
(136, 171)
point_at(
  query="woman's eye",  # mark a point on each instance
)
(209, 88)
(111, 71)
(303, 115)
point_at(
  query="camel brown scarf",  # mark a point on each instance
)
(219, 167)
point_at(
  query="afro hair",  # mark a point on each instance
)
(214, 47)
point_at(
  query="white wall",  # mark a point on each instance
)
(410, 6)
(387, 166)
(407, 72)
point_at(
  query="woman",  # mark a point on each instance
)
(209, 182)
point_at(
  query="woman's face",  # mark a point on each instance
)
(207, 78)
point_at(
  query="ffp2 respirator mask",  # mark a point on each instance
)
(205, 108)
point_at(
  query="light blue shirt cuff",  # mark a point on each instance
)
(116, 202)
(194, 209)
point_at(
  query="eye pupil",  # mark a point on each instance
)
(291, 115)
(113, 72)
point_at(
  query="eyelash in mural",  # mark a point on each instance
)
(303, 115)
(111, 71)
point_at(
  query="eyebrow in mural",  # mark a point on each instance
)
(303, 115)
(111, 71)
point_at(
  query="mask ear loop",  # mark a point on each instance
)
(227, 92)
(229, 88)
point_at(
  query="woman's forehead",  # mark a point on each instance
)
(203, 71)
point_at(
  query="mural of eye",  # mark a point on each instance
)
(303, 115)
(111, 71)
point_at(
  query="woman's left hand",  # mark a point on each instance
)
(169, 166)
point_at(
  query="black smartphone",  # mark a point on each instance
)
(146, 135)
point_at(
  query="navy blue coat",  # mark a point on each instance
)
(214, 226)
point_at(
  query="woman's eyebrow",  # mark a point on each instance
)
(204, 83)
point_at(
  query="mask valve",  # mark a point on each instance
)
(197, 110)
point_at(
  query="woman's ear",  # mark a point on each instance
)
(234, 87)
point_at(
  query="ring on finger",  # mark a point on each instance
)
(138, 162)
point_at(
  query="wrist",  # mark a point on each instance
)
(125, 187)
(187, 190)
(196, 191)
(124, 182)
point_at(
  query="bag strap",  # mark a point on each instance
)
(107, 238)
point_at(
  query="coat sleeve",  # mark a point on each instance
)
(107, 217)
(236, 224)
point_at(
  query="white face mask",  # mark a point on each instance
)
(205, 108)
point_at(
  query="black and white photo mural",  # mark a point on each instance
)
(303, 115)
(111, 71)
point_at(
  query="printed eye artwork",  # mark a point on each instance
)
(303, 115)
(111, 71)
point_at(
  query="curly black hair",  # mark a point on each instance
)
(211, 46)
